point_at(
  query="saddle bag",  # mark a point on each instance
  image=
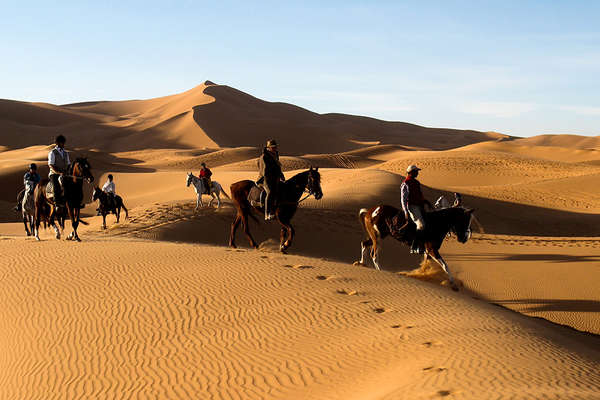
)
(256, 196)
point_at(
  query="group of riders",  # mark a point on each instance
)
(58, 164)
(270, 176)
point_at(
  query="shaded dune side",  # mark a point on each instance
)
(159, 320)
(236, 118)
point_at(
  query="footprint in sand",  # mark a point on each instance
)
(348, 292)
(380, 310)
(444, 393)
(299, 266)
(430, 344)
(434, 369)
(323, 277)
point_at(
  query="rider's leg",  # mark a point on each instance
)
(416, 214)
(56, 189)
(268, 200)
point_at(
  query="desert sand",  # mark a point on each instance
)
(158, 307)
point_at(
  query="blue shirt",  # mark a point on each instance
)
(34, 177)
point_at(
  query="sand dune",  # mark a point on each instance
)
(179, 321)
(157, 307)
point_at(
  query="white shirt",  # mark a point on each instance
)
(109, 187)
(51, 157)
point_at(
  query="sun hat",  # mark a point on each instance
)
(412, 168)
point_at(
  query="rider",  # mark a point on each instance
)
(58, 161)
(205, 174)
(413, 205)
(269, 175)
(110, 189)
(30, 176)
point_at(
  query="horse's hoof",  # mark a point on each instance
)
(37, 238)
(358, 264)
(77, 239)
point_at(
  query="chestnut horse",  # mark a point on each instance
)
(376, 221)
(288, 197)
(45, 209)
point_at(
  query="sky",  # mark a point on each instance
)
(518, 67)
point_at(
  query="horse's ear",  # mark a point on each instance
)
(310, 169)
(316, 169)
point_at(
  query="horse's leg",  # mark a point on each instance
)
(290, 236)
(103, 220)
(282, 237)
(234, 226)
(364, 247)
(212, 197)
(25, 222)
(218, 200)
(37, 214)
(52, 221)
(75, 221)
(435, 254)
(247, 230)
(118, 213)
(375, 248)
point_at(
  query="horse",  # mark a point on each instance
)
(45, 209)
(376, 221)
(105, 207)
(28, 208)
(215, 190)
(288, 198)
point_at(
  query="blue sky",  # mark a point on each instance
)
(517, 67)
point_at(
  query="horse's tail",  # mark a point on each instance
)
(83, 222)
(225, 193)
(361, 217)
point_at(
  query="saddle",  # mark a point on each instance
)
(50, 190)
(257, 196)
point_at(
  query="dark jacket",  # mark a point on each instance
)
(269, 167)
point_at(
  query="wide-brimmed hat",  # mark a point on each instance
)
(412, 168)
(271, 143)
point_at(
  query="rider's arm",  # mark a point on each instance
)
(404, 198)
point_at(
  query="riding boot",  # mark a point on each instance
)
(417, 244)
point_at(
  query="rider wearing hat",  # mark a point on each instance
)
(269, 175)
(58, 161)
(413, 205)
(205, 174)
(30, 176)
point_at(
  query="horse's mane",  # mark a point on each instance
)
(303, 175)
(445, 212)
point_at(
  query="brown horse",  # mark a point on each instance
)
(376, 221)
(45, 209)
(288, 197)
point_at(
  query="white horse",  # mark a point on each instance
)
(28, 208)
(215, 190)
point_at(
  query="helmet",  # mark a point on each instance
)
(412, 168)
(32, 166)
(271, 143)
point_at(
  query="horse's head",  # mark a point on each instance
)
(314, 183)
(83, 169)
(96, 194)
(462, 223)
(190, 178)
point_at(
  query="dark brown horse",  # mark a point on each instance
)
(45, 209)
(289, 194)
(438, 223)
(106, 206)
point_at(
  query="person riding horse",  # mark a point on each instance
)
(269, 176)
(205, 174)
(30, 176)
(413, 205)
(59, 162)
(110, 189)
